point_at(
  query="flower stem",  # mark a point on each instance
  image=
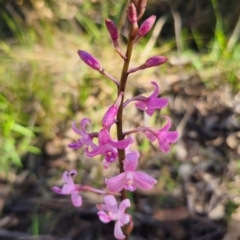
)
(123, 81)
(122, 86)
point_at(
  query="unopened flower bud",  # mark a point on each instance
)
(132, 16)
(151, 62)
(89, 60)
(146, 26)
(155, 61)
(110, 115)
(132, 13)
(112, 29)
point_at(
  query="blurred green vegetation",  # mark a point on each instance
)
(42, 84)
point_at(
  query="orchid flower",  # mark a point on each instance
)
(108, 147)
(69, 188)
(86, 138)
(130, 179)
(110, 212)
(164, 137)
(151, 103)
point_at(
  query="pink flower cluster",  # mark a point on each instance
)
(111, 212)
(102, 143)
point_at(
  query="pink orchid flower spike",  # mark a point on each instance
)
(110, 212)
(130, 179)
(69, 188)
(164, 136)
(108, 147)
(86, 138)
(151, 103)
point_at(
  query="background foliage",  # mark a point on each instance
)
(43, 85)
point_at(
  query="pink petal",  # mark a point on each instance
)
(83, 124)
(150, 136)
(167, 125)
(116, 184)
(122, 208)
(170, 136)
(76, 130)
(164, 145)
(104, 217)
(155, 92)
(121, 144)
(118, 233)
(96, 151)
(76, 199)
(87, 140)
(131, 161)
(125, 219)
(57, 190)
(91, 143)
(158, 103)
(67, 178)
(143, 180)
(140, 105)
(150, 112)
(103, 136)
(111, 203)
(165, 138)
(76, 145)
(68, 188)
